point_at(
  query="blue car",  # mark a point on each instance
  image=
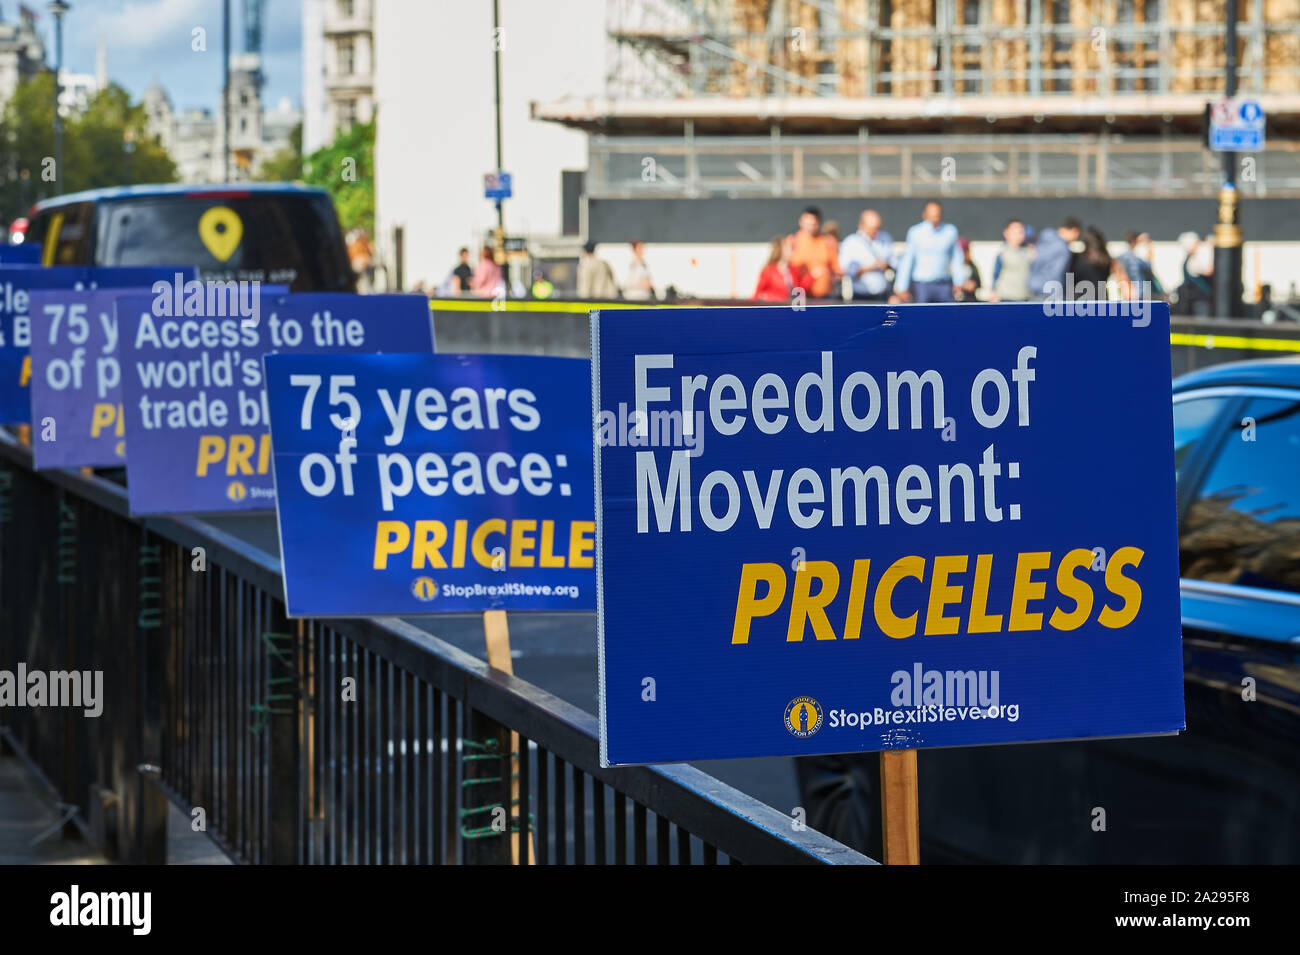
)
(1227, 790)
(277, 233)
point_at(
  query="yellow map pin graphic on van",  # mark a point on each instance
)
(221, 229)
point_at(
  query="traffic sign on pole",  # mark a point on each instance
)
(1236, 125)
(496, 185)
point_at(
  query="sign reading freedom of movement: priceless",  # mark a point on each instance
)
(413, 484)
(196, 413)
(861, 528)
(16, 285)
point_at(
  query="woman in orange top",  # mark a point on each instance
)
(813, 252)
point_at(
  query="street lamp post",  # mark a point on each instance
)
(496, 88)
(1227, 232)
(58, 8)
(225, 91)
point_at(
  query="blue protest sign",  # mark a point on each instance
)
(16, 284)
(21, 254)
(463, 483)
(858, 528)
(196, 412)
(76, 379)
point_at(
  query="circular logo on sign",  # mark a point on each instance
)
(236, 491)
(424, 588)
(803, 716)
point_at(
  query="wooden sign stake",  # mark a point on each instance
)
(496, 630)
(900, 818)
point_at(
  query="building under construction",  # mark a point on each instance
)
(791, 100)
(912, 51)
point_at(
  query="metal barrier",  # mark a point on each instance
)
(352, 741)
(551, 327)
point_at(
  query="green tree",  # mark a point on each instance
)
(346, 167)
(286, 164)
(107, 145)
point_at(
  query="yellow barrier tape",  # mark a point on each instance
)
(575, 308)
(1235, 341)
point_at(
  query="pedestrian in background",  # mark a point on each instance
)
(361, 254)
(780, 277)
(865, 256)
(1196, 294)
(968, 290)
(1135, 263)
(814, 253)
(1092, 267)
(639, 287)
(541, 287)
(1052, 257)
(933, 268)
(463, 271)
(1011, 267)
(487, 279)
(595, 277)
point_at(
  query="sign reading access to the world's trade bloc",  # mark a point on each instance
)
(196, 414)
(860, 528)
(17, 283)
(414, 484)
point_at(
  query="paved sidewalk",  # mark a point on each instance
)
(26, 812)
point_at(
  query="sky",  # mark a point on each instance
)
(150, 39)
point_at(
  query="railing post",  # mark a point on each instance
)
(486, 810)
(149, 840)
(283, 720)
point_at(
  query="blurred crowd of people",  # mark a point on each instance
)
(595, 278)
(933, 263)
(1068, 261)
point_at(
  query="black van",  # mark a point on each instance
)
(268, 232)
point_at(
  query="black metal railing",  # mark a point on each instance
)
(304, 741)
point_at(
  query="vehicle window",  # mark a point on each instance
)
(288, 239)
(1244, 526)
(1192, 418)
(67, 240)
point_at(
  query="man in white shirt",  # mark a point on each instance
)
(640, 287)
(865, 256)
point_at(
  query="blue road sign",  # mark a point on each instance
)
(196, 420)
(859, 528)
(497, 185)
(17, 282)
(1236, 125)
(464, 484)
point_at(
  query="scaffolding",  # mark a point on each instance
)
(967, 49)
